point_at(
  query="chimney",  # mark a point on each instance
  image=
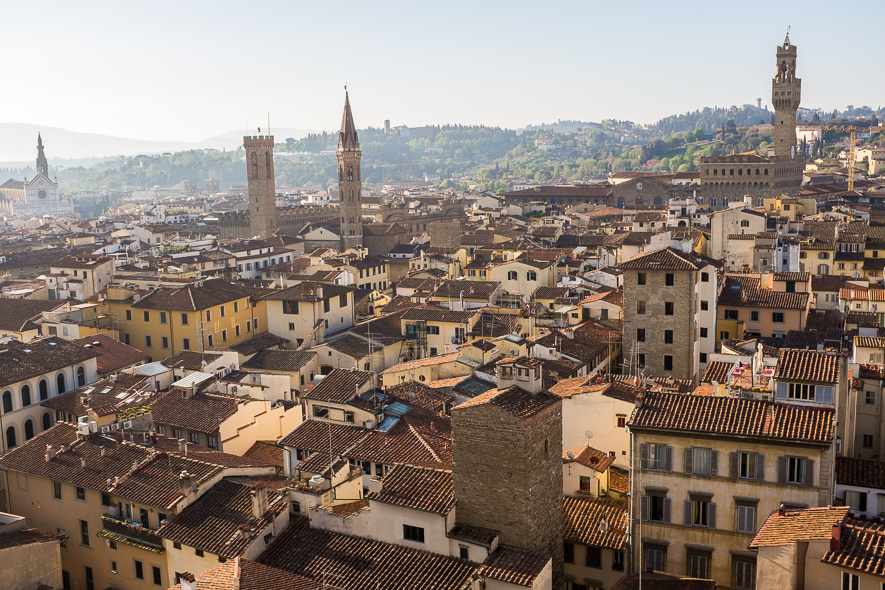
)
(836, 538)
(259, 501)
(781, 511)
(188, 581)
(185, 483)
(182, 446)
(638, 400)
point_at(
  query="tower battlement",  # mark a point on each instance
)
(262, 141)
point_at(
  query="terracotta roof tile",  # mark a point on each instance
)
(589, 457)
(867, 473)
(513, 400)
(669, 259)
(583, 517)
(513, 565)
(113, 354)
(242, 574)
(861, 547)
(280, 360)
(808, 365)
(418, 488)
(21, 361)
(808, 524)
(339, 386)
(28, 537)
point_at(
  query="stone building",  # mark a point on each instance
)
(669, 313)
(262, 185)
(507, 456)
(38, 196)
(728, 178)
(349, 181)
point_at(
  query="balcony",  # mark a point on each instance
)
(114, 529)
(551, 322)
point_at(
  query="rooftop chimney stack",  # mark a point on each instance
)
(259, 501)
(188, 581)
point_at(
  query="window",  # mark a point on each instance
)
(668, 308)
(208, 315)
(856, 500)
(724, 335)
(236, 306)
(668, 362)
(162, 317)
(195, 438)
(705, 277)
(147, 341)
(186, 343)
(81, 494)
(211, 442)
(871, 397)
(327, 306)
(147, 316)
(198, 552)
(744, 577)
(641, 359)
(777, 317)
(65, 577)
(654, 558)
(640, 278)
(702, 357)
(796, 470)
(157, 575)
(290, 307)
(668, 336)
(569, 553)
(754, 316)
(84, 533)
(640, 307)
(210, 340)
(321, 412)
(622, 420)
(224, 335)
(747, 465)
(463, 552)
(698, 564)
(868, 441)
(26, 396)
(618, 561)
(746, 518)
(129, 314)
(703, 332)
(850, 581)
(669, 279)
(731, 314)
(701, 461)
(176, 433)
(413, 533)
(640, 334)
(585, 483)
(113, 567)
(56, 490)
(593, 557)
(139, 570)
(222, 311)
(90, 578)
(657, 456)
(511, 275)
(705, 305)
(164, 342)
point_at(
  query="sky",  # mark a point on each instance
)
(188, 70)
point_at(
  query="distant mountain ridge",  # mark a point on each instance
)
(18, 143)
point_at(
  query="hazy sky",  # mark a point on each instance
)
(187, 70)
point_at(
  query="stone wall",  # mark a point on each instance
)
(445, 234)
(508, 476)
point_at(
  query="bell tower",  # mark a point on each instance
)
(42, 164)
(262, 187)
(786, 90)
(349, 181)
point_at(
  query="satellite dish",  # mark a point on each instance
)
(570, 455)
(588, 434)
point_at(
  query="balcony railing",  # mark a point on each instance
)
(115, 529)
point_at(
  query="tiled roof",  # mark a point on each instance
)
(190, 360)
(362, 563)
(550, 292)
(619, 479)
(810, 524)
(266, 451)
(669, 259)
(744, 291)
(474, 534)
(28, 537)
(16, 314)
(309, 292)
(418, 488)
(869, 342)
(242, 574)
(808, 365)
(258, 343)
(730, 416)
(113, 354)
(203, 412)
(567, 388)
(438, 315)
(861, 547)
(192, 297)
(20, 361)
(472, 289)
(717, 371)
(221, 521)
(425, 362)
(280, 360)
(339, 386)
(867, 473)
(422, 396)
(589, 457)
(101, 396)
(514, 565)
(799, 277)
(583, 517)
(662, 581)
(513, 400)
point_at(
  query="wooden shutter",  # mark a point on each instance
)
(823, 394)
(760, 467)
(781, 391)
(666, 509)
(734, 471)
(809, 472)
(668, 459)
(689, 460)
(643, 456)
(643, 508)
(711, 515)
(714, 462)
(686, 517)
(781, 470)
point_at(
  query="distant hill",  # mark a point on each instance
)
(18, 143)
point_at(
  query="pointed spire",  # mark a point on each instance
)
(347, 138)
(42, 164)
(787, 39)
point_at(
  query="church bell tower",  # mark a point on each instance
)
(42, 164)
(262, 186)
(349, 181)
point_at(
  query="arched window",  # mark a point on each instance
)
(740, 172)
(47, 421)
(60, 382)
(26, 395)
(659, 201)
(254, 165)
(639, 201)
(7, 402)
(268, 165)
(621, 202)
(10, 437)
(81, 377)
(715, 172)
(29, 429)
(350, 173)
(713, 202)
(725, 201)
(44, 390)
(340, 172)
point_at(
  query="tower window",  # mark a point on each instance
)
(254, 165)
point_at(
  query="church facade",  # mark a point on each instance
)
(37, 196)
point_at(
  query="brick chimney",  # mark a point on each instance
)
(259, 501)
(186, 483)
(836, 538)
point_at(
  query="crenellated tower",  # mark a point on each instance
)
(349, 181)
(262, 186)
(786, 91)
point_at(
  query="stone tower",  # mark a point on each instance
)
(42, 164)
(262, 187)
(786, 90)
(349, 181)
(507, 462)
